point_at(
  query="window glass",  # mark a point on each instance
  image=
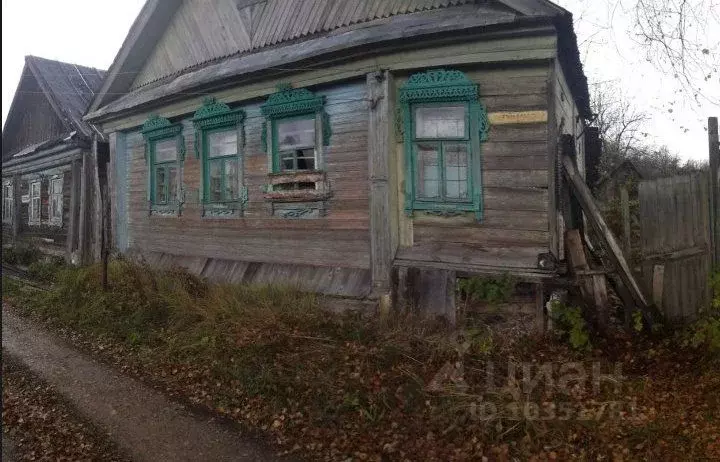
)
(231, 179)
(215, 185)
(295, 134)
(440, 121)
(428, 170)
(160, 186)
(166, 151)
(57, 186)
(56, 207)
(35, 189)
(456, 166)
(222, 143)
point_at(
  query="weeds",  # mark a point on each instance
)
(21, 254)
(572, 326)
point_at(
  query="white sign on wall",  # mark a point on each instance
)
(25, 198)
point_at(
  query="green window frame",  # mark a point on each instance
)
(288, 105)
(446, 89)
(211, 119)
(165, 197)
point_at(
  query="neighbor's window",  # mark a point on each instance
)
(56, 201)
(34, 212)
(443, 124)
(441, 146)
(8, 202)
(295, 139)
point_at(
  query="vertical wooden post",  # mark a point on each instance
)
(98, 207)
(73, 227)
(625, 211)
(17, 204)
(83, 211)
(381, 248)
(714, 146)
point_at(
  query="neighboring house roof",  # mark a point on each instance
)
(69, 88)
(625, 166)
(266, 25)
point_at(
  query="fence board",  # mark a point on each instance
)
(675, 232)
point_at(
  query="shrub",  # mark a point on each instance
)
(487, 289)
(46, 269)
(21, 254)
(571, 325)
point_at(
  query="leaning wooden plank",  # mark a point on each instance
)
(585, 198)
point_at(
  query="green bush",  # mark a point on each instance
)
(571, 325)
(21, 254)
(487, 289)
(46, 269)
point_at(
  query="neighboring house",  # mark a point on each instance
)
(625, 174)
(45, 143)
(336, 144)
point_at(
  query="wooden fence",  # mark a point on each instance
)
(676, 243)
(680, 236)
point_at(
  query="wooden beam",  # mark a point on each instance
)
(553, 164)
(625, 211)
(73, 227)
(585, 198)
(97, 203)
(17, 203)
(379, 122)
(714, 148)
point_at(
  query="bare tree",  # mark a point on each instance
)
(683, 37)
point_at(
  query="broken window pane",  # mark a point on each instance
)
(440, 121)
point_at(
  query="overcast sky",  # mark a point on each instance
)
(90, 32)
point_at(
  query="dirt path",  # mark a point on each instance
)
(140, 420)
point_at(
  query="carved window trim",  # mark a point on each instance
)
(439, 87)
(8, 196)
(288, 104)
(215, 116)
(155, 130)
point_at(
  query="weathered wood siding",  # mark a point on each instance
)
(37, 123)
(514, 176)
(675, 238)
(340, 239)
(203, 30)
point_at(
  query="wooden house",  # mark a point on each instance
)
(343, 145)
(46, 148)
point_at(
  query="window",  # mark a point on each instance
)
(295, 132)
(443, 125)
(8, 195)
(34, 212)
(295, 143)
(56, 201)
(220, 150)
(165, 149)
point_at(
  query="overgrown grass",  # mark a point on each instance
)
(333, 386)
(21, 254)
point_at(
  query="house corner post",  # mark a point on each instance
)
(17, 204)
(379, 173)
